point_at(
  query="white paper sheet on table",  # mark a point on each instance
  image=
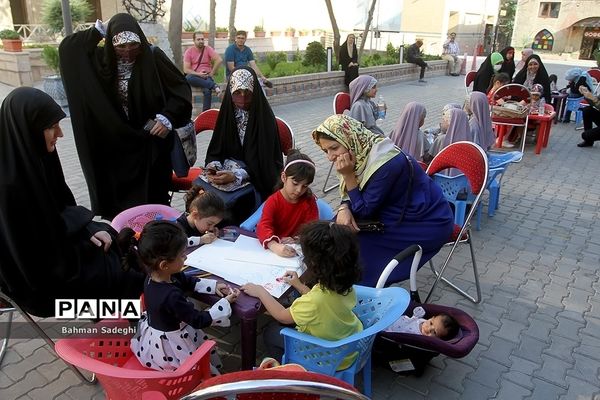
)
(243, 261)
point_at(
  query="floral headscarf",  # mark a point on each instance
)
(370, 150)
(125, 37)
(241, 79)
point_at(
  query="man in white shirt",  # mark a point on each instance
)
(450, 54)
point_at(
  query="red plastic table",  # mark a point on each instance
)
(545, 122)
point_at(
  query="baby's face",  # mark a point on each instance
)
(434, 327)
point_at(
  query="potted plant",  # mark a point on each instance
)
(221, 32)
(259, 31)
(290, 32)
(275, 33)
(303, 32)
(53, 84)
(11, 40)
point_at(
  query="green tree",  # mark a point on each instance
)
(52, 13)
(315, 54)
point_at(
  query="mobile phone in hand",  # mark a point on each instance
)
(149, 125)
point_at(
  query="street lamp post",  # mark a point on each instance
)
(67, 21)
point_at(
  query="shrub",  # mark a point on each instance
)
(596, 55)
(274, 58)
(50, 57)
(315, 55)
(222, 29)
(259, 28)
(9, 34)
(52, 13)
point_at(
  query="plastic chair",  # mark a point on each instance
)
(275, 384)
(9, 306)
(573, 104)
(469, 78)
(120, 373)
(516, 92)
(472, 161)
(497, 164)
(457, 191)
(138, 216)
(341, 103)
(205, 121)
(377, 309)
(420, 349)
(325, 213)
(286, 135)
(595, 74)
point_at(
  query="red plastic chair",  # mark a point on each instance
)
(286, 135)
(205, 121)
(120, 373)
(595, 73)
(275, 384)
(472, 161)
(136, 217)
(469, 78)
(544, 130)
(515, 92)
(341, 102)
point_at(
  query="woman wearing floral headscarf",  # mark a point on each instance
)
(125, 99)
(244, 147)
(378, 183)
(407, 134)
(362, 108)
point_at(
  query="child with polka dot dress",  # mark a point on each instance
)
(170, 328)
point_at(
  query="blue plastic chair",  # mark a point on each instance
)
(497, 164)
(325, 213)
(377, 309)
(572, 104)
(456, 190)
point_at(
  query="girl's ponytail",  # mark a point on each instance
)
(127, 241)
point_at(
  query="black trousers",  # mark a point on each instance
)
(420, 63)
(591, 116)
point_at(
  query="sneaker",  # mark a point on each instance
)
(268, 362)
(507, 144)
(585, 144)
(422, 81)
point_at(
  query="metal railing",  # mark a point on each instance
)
(42, 33)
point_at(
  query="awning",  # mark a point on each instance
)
(593, 22)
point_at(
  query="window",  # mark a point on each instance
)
(549, 9)
(543, 40)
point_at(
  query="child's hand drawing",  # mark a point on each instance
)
(254, 290)
(208, 237)
(291, 278)
(281, 249)
(233, 294)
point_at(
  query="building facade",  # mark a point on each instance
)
(569, 27)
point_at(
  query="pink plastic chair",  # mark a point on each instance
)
(120, 373)
(136, 217)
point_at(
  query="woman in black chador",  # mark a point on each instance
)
(115, 91)
(349, 59)
(49, 247)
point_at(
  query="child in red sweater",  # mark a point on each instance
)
(290, 207)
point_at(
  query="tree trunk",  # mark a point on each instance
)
(231, 28)
(175, 28)
(367, 26)
(212, 29)
(336, 34)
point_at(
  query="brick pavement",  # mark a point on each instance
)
(538, 258)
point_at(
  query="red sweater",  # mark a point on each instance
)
(281, 218)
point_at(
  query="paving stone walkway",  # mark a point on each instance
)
(539, 260)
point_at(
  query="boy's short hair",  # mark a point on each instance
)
(501, 77)
(242, 33)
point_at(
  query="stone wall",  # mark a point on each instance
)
(15, 68)
(303, 87)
